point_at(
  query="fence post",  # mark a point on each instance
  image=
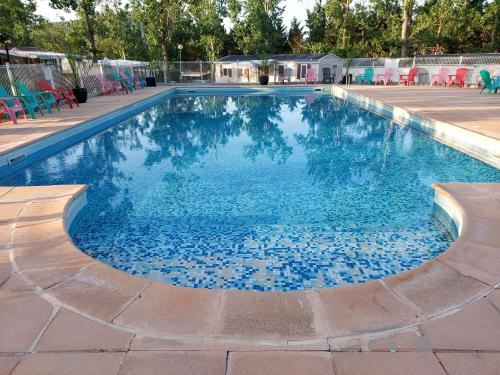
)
(413, 61)
(11, 78)
(460, 61)
(117, 68)
(80, 76)
(47, 72)
(201, 71)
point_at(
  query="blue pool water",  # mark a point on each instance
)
(258, 192)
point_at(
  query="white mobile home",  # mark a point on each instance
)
(288, 68)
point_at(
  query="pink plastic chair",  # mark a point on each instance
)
(384, 78)
(12, 110)
(441, 78)
(310, 76)
(408, 79)
(108, 86)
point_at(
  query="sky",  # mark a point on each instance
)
(293, 8)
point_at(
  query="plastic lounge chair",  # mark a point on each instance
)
(327, 76)
(459, 77)
(286, 76)
(367, 76)
(30, 103)
(11, 106)
(488, 83)
(131, 81)
(137, 81)
(310, 76)
(109, 86)
(408, 79)
(47, 98)
(441, 78)
(384, 78)
(123, 82)
(59, 94)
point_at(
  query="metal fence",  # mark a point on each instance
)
(60, 75)
(473, 60)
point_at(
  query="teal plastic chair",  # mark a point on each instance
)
(366, 77)
(488, 83)
(124, 82)
(138, 81)
(30, 103)
(45, 98)
(131, 81)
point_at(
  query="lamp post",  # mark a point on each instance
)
(180, 47)
(6, 44)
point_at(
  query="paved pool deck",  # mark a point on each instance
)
(62, 312)
(466, 107)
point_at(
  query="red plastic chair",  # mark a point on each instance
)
(11, 110)
(60, 95)
(408, 79)
(459, 77)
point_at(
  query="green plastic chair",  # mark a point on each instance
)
(488, 83)
(46, 98)
(366, 77)
(30, 103)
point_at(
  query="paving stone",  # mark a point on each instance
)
(77, 363)
(403, 342)
(253, 315)
(22, 317)
(482, 230)
(475, 327)
(271, 363)
(10, 211)
(475, 260)
(494, 297)
(212, 344)
(31, 193)
(42, 235)
(174, 363)
(5, 237)
(470, 363)
(15, 284)
(51, 265)
(173, 310)
(7, 363)
(386, 364)
(435, 288)
(99, 290)
(363, 308)
(38, 212)
(71, 331)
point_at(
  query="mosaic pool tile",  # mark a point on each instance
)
(260, 193)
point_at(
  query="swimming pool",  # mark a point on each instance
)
(258, 192)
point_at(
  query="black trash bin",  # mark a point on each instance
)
(150, 81)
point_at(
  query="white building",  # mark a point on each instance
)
(288, 68)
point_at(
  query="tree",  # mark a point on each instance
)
(209, 17)
(296, 36)
(405, 25)
(316, 23)
(162, 19)
(16, 18)
(258, 25)
(85, 8)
